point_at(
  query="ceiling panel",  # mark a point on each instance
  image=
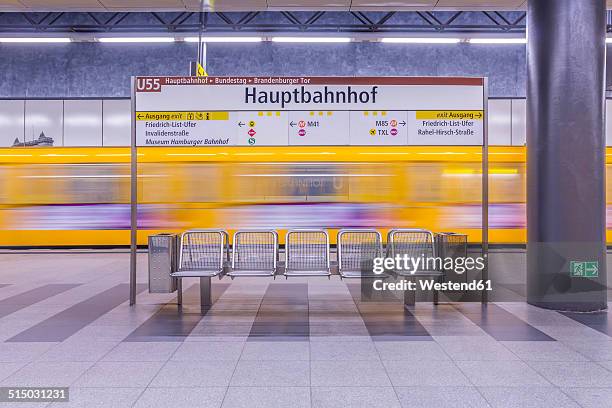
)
(62, 4)
(227, 5)
(395, 5)
(309, 4)
(143, 4)
(11, 5)
(479, 4)
(392, 4)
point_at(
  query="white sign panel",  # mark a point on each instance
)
(265, 111)
(445, 127)
(379, 128)
(308, 128)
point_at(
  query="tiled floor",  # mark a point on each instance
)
(65, 321)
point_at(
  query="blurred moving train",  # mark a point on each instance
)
(80, 196)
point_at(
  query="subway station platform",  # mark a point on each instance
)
(464, 143)
(65, 321)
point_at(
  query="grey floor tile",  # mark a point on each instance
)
(276, 350)
(7, 369)
(16, 352)
(501, 373)
(208, 397)
(501, 324)
(28, 298)
(574, 332)
(142, 351)
(527, 397)
(103, 333)
(594, 350)
(452, 329)
(100, 398)
(606, 364)
(221, 330)
(332, 330)
(474, 348)
(591, 397)
(340, 337)
(330, 317)
(208, 351)
(574, 374)
(354, 397)
(119, 374)
(64, 324)
(347, 351)
(440, 397)
(215, 339)
(53, 374)
(267, 397)
(348, 373)
(425, 373)
(194, 374)
(411, 351)
(78, 350)
(265, 373)
(24, 405)
(543, 351)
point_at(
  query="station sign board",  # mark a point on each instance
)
(311, 111)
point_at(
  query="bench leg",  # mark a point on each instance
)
(205, 292)
(409, 298)
(179, 291)
(436, 293)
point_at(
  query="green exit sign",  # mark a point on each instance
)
(588, 269)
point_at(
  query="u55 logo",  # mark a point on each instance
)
(148, 85)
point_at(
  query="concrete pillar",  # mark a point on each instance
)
(566, 217)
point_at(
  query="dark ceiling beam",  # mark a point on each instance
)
(291, 17)
(179, 22)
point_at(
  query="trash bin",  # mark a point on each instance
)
(163, 260)
(452, 245)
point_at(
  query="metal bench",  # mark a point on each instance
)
(415, 243)
(255, 253)
(307, 253)
(357, 249)
(203, 254)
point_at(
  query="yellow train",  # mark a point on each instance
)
(80, 196)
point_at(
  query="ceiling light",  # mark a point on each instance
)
(223, 39)
(34, 40)
(498, 41)
(425, 40)
(136, 39)
(311, 39)
(608, 40)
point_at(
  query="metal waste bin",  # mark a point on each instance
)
(452, 245)
(163, 260)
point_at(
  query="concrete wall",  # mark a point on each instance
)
(104, 70)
